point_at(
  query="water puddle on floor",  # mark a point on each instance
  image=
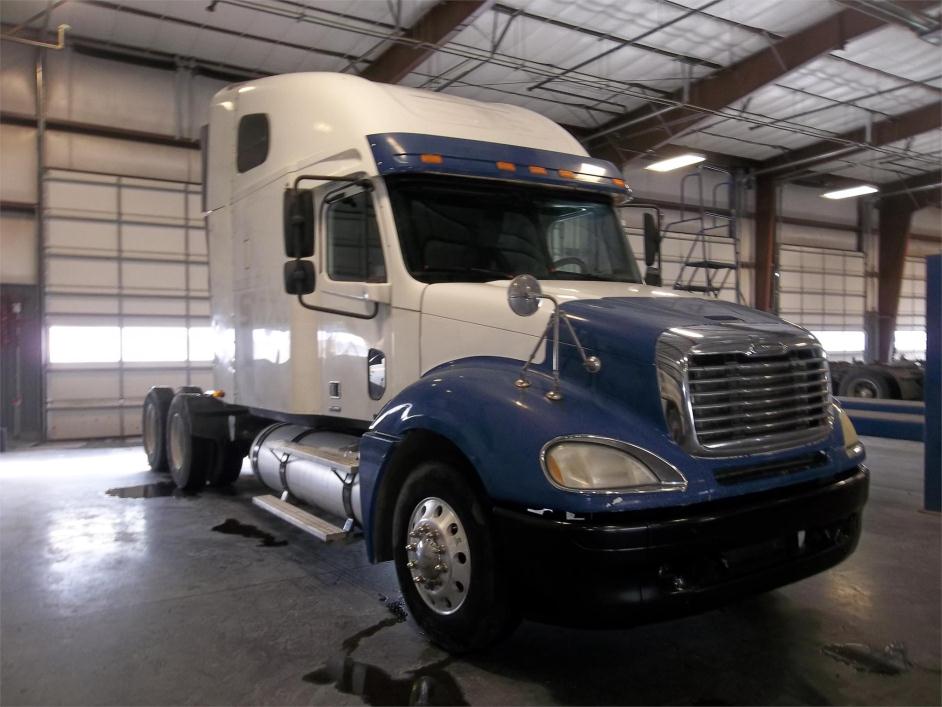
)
(231, 526)
(428, 685)
(158, 489)
(889, 660)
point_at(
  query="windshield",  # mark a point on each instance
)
(466, 230)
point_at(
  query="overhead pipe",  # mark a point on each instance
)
(60, 39)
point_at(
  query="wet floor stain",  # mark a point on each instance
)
(428, 685)
(231, 526)
(889, 660)
(158, 489)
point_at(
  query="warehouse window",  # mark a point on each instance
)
(354, 252)
(253, 141)
(133, 344)
(84, 344)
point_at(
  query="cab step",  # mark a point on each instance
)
(308, 522)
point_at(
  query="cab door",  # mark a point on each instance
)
(353, 297)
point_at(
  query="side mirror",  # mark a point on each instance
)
(652, 276)
(299, 277)
(299, 223)
(652, 240)
(523, 295)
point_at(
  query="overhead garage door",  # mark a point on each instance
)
(823, 290)
(126, 298)
(911, 318)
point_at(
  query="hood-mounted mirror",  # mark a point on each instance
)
(523, 297)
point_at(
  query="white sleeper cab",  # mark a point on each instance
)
(431, 330)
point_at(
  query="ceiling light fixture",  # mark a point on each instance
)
(673, 163)
(852, 191)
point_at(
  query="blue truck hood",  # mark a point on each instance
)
(630, 326)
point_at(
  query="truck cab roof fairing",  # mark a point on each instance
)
(399, 153)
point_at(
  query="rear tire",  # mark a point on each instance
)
(227, 464)
(154, 426)
(866, 383)
(458, 610)
(188, 457)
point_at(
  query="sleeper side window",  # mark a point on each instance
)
(252, 143)
(354, 250)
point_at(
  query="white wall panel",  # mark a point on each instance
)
(17, 163)
(17, 83)
(18, 249)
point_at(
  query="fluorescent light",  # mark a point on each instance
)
(675, 163)
(852, 191)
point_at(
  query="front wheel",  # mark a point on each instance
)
(447, 561)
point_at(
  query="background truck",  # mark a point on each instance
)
(431, 329)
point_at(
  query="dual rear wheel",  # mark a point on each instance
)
(170, 442)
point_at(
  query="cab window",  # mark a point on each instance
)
(252, 142)
(354, 251)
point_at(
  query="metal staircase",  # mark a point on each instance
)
(712, 224)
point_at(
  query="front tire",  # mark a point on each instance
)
(448, 562)
(188, 457)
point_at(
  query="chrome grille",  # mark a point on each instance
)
(740, 400)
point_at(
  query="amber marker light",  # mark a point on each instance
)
(618, 182)
(431, 159)
(507, 166)
(567, 174)
(537, 170)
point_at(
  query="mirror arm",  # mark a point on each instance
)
(359, 181)
(328, 310)
(591, 363)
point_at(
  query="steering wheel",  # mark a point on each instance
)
(571, 260)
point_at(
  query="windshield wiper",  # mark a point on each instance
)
(566, 275)
(479, 271)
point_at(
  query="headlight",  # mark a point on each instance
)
(852, 444)
(606, 465)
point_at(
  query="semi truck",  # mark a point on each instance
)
(431, 332)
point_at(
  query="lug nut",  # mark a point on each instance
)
(410, 547)
(410, 565)
(441, 567)
(419, 580)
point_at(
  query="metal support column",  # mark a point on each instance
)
(765, 225)
(895, 217)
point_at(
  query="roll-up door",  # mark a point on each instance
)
(126, 298)
(911, 317)
(822, 289)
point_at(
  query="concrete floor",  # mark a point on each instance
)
(111, 600)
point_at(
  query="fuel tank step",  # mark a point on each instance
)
(308, 522)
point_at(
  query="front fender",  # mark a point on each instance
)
(501, 430)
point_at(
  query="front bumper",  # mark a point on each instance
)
(633, 567)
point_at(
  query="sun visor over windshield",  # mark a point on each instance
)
(397, 153)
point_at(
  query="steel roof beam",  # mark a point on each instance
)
(731, 84)
(431, 31)
(899, 127)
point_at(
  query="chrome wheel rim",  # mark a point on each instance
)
(176, 440)
(150, 429)
(865, 389)
(438, 555)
